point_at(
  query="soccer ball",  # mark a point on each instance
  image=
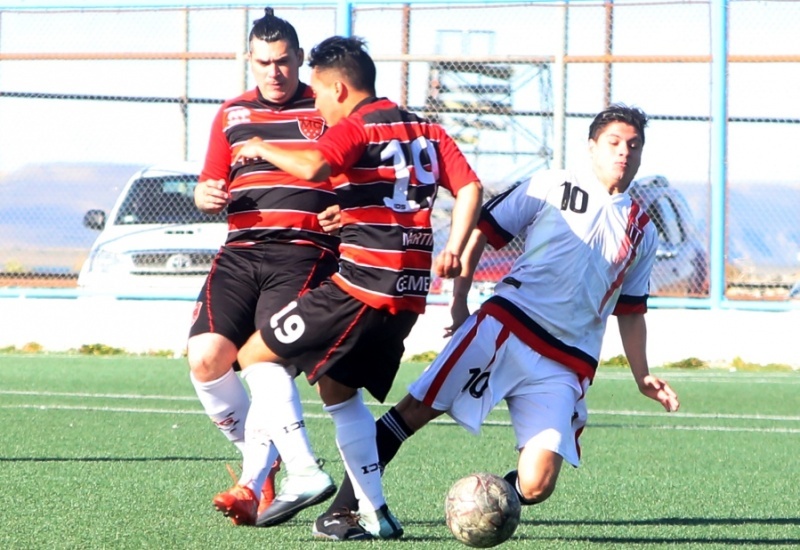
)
(482, 510)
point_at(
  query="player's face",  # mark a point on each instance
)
(276, 69)
(327, 93)
(616, 156)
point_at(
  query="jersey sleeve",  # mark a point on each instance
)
(505, 216)
(218, 156)
(454, 169)
(636, 285)
(342, 145)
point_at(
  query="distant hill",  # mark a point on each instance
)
(44, 204)
(42, 208)
(763, 233)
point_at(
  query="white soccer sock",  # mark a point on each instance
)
(355, 437)
(275, 410)
(258, 456)
(226, 403)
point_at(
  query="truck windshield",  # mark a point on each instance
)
(164, 200)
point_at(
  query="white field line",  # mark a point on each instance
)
(100, 395)
(445, 421)
(625, 413)
(725, 429)
(722, 378)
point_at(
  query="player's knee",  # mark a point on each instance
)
(209, 359)
(208, 368)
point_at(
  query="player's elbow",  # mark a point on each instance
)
(312, 166)
(311, 172)
(319, 172)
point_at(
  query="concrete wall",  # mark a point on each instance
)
(145, 325)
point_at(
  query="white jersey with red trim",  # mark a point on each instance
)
(587, 254)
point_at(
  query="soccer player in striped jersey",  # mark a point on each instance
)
(276, 248)
(589, 249)
(385, 165)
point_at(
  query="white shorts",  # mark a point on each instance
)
(484, 363)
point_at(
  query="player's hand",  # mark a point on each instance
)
(251, 150)
(459, 312)
(447, 265)
(210, 196)
(659, 390)
(330, 219)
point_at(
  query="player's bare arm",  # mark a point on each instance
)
(210, 196)
(459, 310)
(306, 164)
(469, 262)
(463, 220)
(464, 217)
(633, 331)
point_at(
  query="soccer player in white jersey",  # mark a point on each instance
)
(589, 249)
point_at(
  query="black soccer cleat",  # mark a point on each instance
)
(340, 525)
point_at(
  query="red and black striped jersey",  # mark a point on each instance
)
(267, 204)
(386, 165)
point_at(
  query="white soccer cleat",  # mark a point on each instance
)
(381, 523)
(298, 491)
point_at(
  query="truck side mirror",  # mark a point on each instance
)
(95, 219)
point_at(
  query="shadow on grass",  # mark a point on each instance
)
(697, 522)
(641, 522)
(672, 541)
(671, 521)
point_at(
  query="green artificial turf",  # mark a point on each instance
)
(114, 452)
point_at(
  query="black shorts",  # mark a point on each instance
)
(327, 331)
(247, 284)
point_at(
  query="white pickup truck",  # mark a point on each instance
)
(154, 241)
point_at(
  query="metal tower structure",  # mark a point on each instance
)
(499, 111)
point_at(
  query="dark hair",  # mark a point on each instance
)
(271, 29)
(350, 57)
(618, 112)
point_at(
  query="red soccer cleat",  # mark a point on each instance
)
(238, 503)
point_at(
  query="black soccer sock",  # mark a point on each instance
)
(390, 433)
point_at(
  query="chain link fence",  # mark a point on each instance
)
(89, 97)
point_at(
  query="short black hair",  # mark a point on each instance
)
(350, 57)
(271, 29)
(618, 112)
